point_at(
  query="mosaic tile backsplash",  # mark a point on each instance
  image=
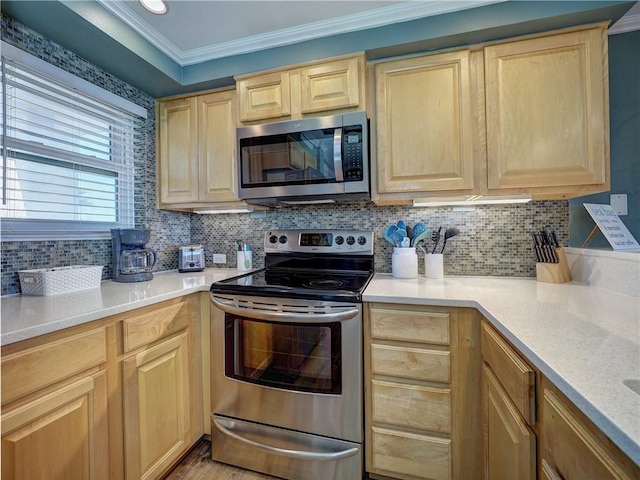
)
(493, 240)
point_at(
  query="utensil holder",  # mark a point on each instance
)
(404, 263)
(554, 272)
(244, 261)
(434, 265)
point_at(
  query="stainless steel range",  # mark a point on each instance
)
(286, 350)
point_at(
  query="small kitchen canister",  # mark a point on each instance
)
(404, 262)
(244, 261)
(434, 265)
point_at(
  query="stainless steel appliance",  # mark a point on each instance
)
(132, 261)
(191, 258)
(286, 351)
(314, 160)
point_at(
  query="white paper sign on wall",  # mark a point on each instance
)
(609, 223)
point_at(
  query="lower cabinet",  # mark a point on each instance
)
(573, 448)
(54, 407)
(156, 409)
(118, 398)
(532, 430)
(160, 385)
(422, 392)
(508, 385)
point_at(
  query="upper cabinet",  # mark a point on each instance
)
(424, 124)
(527, 116)
(327, 86)
(197, 150)
(547, 113)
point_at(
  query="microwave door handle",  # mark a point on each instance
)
(337, 154)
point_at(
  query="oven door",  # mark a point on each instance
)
(288, 363)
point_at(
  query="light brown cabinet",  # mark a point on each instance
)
(508, 385)
(197, 163)
(325, 86)
(161, 385)
(532, 430)
(424, 126)
(523, 116)
(547, 114)
(54, 407)
(421, 392)
(572, 448)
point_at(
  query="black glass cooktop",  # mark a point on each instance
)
(330, 279)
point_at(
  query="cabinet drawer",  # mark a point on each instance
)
(410, 326)
(29, 370)
(416, 363)
(403, 453)
(515, 375)
(157, 323)
(411, 406)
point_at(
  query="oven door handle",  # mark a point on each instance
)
(226, 429)
(276, 316)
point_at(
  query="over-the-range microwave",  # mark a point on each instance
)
(313, 160)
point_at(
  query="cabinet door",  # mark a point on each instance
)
(264, 96)
(571, 451)
(177, 151)
(510, 443)
(424, 124)
(547, 109)
(217, 147)
(330, 86)
(60, 435)
(156, 407)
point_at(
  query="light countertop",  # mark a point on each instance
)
(585, 339)
(26, 317)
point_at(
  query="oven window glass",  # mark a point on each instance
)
(302, 357)
(288, 159)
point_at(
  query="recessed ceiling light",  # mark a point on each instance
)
(154, 6)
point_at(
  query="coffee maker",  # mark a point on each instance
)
(132, 262)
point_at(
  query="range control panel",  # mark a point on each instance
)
(353, 242)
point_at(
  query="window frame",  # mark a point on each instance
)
(20, 229)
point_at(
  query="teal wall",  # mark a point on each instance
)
(624, 108)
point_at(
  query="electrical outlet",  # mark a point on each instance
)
(619, 203)
(219, 258)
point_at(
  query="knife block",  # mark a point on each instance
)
(554, 272)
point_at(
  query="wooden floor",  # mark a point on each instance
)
(197, 465)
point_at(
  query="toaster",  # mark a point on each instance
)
(191, 258)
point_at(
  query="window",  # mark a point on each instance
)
(68, 151)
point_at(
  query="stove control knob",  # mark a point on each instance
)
(273, 239)
(362, 240)
(283, 239)
(339, 240)
(351, 240)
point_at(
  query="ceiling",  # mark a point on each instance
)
(196, 31)
(203, 44)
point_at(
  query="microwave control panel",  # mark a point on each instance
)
(353, 153)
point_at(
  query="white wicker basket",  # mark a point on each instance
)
(53, 281)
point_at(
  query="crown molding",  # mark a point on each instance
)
(628, 23)
(349, 23)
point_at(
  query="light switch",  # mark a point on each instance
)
(619, 203)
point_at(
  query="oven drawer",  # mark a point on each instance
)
(420, 456)
(411, 406)
(415, 363)
(410, 326)
(283, 453)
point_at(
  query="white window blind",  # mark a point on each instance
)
(67, 155)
